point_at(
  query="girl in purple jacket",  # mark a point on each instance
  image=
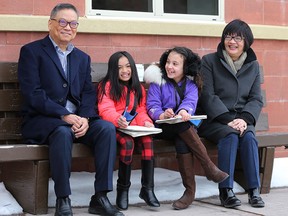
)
(173, 91)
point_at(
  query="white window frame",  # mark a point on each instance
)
(158, 13)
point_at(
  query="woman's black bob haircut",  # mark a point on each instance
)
(239, 28)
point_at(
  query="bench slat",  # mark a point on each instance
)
(272, 139)
(8, 72)
(10, 128)
(23, 152)
(11, 100)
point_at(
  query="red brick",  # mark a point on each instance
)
(276, 89)
(100, 54)
(134, 41)
(253, 11)
(275, 62)
(3, 38)
(277, 114)
(210, 43)
(16, 7)
(275, 13)
(171, 41)
(40, 10)
(9, 53)
(93, 40)
(281, 152)
(234, 9)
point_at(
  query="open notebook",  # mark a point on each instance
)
(136, 131)
(195, 120)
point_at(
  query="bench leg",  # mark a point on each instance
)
(27, 181)
(266, 157)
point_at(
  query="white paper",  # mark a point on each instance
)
(178, 119)
(136, 131)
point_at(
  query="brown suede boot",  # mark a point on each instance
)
(186, 169)
(192, 140)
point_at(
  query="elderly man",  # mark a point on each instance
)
(58, 109)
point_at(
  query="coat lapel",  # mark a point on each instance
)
(50, 50)
(73, 65)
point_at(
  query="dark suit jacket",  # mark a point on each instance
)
(45, 88)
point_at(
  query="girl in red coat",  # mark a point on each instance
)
(122, 101)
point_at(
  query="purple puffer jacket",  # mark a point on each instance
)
(162, 95)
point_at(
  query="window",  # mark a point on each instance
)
(167, 9)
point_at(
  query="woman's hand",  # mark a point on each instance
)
(238, 124)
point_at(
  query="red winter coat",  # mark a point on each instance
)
(111, 111)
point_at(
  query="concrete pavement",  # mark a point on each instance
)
(276, 203)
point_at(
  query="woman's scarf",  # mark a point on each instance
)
(235, 65)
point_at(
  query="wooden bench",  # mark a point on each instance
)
(24, 169)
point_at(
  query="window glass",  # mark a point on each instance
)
(123, 5)
(207, 7)
(174, 9)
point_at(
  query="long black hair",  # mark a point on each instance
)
(117, 86)
(191, 64)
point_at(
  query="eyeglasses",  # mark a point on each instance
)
(236, 38)
(63, 23)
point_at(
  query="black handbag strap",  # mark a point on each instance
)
(180, 91)
(128, 101)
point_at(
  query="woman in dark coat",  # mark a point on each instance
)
(231, 98)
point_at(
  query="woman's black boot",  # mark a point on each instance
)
(228, 198)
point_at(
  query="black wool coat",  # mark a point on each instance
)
(229, 93)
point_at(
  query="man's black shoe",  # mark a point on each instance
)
(228, 198)
(101, 205)
(63, 207)
(254, 198)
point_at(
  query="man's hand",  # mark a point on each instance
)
(79, 125)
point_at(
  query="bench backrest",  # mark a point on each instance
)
(10, 101)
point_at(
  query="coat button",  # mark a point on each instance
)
(65, 85)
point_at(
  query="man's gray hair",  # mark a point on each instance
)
(62, 6)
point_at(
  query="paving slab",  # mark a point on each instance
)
(276, 204)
